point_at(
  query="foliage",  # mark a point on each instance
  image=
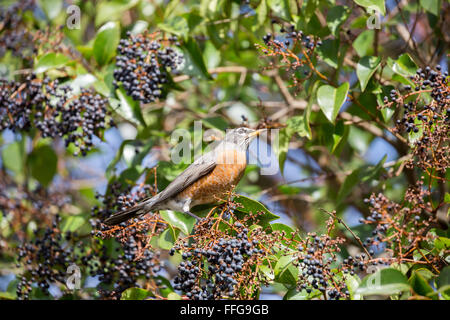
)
(361, 112)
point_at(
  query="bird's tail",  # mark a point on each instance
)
(129, 213)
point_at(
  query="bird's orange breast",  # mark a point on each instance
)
(219, 182)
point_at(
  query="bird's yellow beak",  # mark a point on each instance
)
(257, 132)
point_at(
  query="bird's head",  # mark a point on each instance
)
(242, 136)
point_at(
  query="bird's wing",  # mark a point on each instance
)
(195, 171)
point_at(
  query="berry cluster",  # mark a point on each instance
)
(129, 267)
(316, 258)
(294, 50)
(400, 229)
(54, 110)
(227, 259)
(292, 36)
(429, 121)
(14, 36)
(45, 260)
(117, 198)
(138, 261)
(223, 258)
(19, 204)
(143, 64)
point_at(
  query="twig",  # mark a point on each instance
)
(333, 215)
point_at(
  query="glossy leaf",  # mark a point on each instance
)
(51, 60)
(135, 294)
(285, 272)
(72, 223)
(373, 5)
(52, 8)
(194, 64)
(331, 99)
(363, 44)
(13, 157)
(443, 282)
(42, 162)
(128, 108)
(365, 69)
(336, 16)
(179, 220)
(252, 206)
(386, 281)
(405, 65)
(106, 41)
(167, 239)
(176, 25)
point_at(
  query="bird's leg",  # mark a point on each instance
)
(187, 208)
(192, 215)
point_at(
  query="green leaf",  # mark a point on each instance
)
(51, 61)
(267, 272)
(52, 8)
(336, 16)
(106, 41)
(297, 124)
(167, 239)
(165, 289)
(282, 227)
(128, 108)
(419, 284)
(432, 6)
(365, 69)
(179, 220)
(443, 282)
(176, 25)
(339, 136)
(331, 99)
(42, 162)
(293, 294)
(280, 8)
(7, 295)
(13, 157)
(405, 65)
(363, 44)
(253, 206)
(112, 10)
(261, 13)
(282, 147)
(386, 281)
(328, 52)
(194, 65)
(373, 5)
(216, 123)
(442, 243)
(212, 56)
(414, 136)
(447, 197)
(72, 223)
(285, 271)
(173, 296)
(118, 156)
(135, 294)
(352, 283)
(288, 231)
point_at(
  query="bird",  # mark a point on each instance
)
(209, 178)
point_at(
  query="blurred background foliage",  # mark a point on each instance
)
(336, 145)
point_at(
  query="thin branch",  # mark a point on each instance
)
(333, 215)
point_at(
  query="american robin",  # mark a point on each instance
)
(209, 178)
